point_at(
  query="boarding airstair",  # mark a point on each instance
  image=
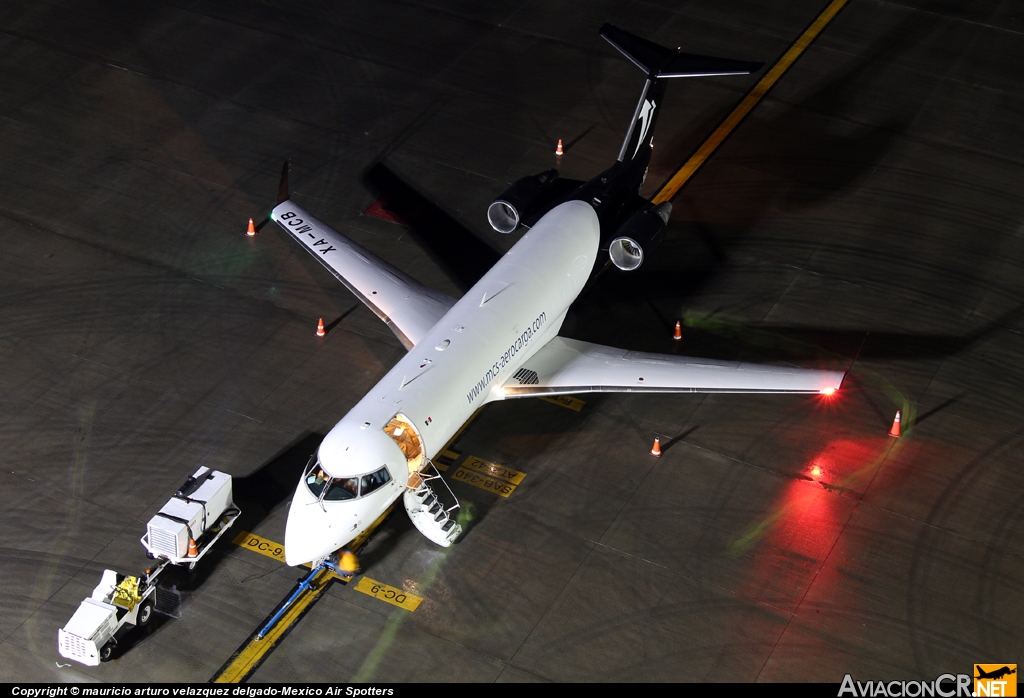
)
(427, 512)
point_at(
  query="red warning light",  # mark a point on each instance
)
(828, 391)
(816, 471)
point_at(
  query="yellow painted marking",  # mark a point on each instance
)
(447, 453)
(499, 472)
(253, 652)
(241, 665)
(389, 594)
(483, 482)
(690, 167)
(565, 401)
(258, 544)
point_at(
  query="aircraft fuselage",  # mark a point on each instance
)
(456, 368)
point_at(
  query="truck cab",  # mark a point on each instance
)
(117, 601)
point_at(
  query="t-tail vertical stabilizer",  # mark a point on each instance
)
(661, 63)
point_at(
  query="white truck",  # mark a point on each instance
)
(191, 521)
(117, 601)
(181, 533)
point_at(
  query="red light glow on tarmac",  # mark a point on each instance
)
(845, 462)
(843, 465)
(789, 544)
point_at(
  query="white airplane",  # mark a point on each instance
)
(500, 340)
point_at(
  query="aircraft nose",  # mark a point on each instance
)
(307, 534)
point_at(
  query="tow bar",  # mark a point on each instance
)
(305, 584)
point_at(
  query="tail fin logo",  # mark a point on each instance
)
(645, 123)
(995, 680)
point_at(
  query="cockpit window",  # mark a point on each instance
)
(316, 482)
(374, 480)
(342, 488)
(315, 477)
(338, 488)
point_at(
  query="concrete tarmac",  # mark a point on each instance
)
(866, 216)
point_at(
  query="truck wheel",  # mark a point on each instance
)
(106, 652)
(145, 613)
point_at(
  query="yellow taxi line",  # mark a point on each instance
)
(252, 653)
(690, 167)
(249, 657)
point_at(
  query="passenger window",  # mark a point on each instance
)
(374, 480)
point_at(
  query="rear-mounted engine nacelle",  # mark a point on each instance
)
(518, 202)
(641, 233)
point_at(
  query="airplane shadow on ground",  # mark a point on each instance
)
(463, 256)
(809, 152)
(256, 495)
(273, 483)
(793, 161)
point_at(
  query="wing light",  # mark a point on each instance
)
(828, 391)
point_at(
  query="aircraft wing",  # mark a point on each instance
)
(565, 366)
(408, 307)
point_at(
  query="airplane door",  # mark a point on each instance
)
(405, 435)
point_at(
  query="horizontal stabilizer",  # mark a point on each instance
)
(660, 62)
(689, 65)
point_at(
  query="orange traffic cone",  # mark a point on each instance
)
(895, 431)
(251, 232)
(656, 448)
(320, 331)
(558, 148)
(678, 334)
(193, 551)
